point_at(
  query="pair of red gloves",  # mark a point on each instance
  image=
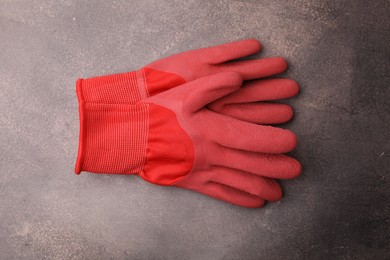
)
(193, 120)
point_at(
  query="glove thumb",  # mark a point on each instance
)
(205, 90)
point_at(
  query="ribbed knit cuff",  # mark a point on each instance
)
(121, 88)
(113, 137)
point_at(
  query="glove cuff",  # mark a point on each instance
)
(123, 88)
(113, 137)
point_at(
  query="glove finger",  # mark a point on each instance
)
(231, 195)
(258, 113)
(261, 90)
(261, 187)
(229, 51)
(277, 166)
(233, 133)
(254, 69)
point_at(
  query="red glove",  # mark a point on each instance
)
(173, 139)
(175, 70)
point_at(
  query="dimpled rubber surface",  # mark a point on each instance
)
(337, 209)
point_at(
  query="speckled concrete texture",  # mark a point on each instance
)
(338, 209)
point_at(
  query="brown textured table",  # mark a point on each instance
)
(338, 209)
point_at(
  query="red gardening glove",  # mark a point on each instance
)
(178, 69)
(175, 70)
(173, 139)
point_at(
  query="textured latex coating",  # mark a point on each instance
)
(194, 64)
(251, 102)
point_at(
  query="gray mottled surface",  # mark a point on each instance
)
(338, 209)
